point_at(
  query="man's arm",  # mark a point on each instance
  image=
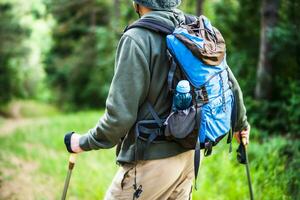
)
(129, 89)
(241, 118)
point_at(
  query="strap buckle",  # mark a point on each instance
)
(138, 191)
(201, 96)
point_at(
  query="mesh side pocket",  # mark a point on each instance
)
(181, 123)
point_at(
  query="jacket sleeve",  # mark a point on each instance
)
(241, 122)
(128, 90)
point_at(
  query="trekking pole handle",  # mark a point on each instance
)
(72, 160)
(244, 141)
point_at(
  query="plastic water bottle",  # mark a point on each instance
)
(182, 98)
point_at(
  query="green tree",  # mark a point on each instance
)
(80, 65)
(11, 36)
(269, 18)
(239, 23)
(199, 7)
(25, 40)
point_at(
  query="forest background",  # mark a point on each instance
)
(57, 58)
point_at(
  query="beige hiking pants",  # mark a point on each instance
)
(162, 179)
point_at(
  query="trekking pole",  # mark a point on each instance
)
(72, 161)
(244, 142)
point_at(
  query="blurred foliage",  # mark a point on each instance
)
(11, 35)
(25, 40)
(63, 51)
(81, 60)
(239, 23)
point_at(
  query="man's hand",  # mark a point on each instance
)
(243, 134)
(72, 142)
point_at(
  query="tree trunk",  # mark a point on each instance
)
(269, 16)
(117, 12)
(199, 7)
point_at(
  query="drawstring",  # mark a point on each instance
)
(137, 189)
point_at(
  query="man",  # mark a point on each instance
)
(166, 170)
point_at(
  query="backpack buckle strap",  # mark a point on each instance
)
(146, 132)
(229, 139)
(208, 148)
(155, 115)
(149, 131)
(201, 95)
(150, 139)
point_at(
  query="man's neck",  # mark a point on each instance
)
(143, 10)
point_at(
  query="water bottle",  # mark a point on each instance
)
(182, 98)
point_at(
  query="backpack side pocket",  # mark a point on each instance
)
(180, 127)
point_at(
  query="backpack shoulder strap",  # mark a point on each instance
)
(153, 25)
(157, 26)
(189, 18)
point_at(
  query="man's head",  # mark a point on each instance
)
(167, 5)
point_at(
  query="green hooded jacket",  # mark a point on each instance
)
(141, 69)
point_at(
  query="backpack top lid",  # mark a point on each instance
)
(205, 41)
(182, 32)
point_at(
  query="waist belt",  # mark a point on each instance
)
(145, 137)
(148, 130)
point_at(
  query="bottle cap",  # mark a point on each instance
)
(183, 86)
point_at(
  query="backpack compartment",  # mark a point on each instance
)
(216, 118)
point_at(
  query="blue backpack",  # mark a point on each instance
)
(196, 50)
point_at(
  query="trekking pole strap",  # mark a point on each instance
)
(197, 158)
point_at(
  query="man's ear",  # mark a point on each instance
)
(135, 6)
(137, 9)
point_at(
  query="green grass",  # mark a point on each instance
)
(274, 163)
(28, 109)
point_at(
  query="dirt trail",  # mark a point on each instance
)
(10, 125)
(16, 121)
(17, 180)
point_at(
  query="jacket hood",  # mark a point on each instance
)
(170, 18)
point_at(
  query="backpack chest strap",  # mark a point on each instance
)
(152, 25)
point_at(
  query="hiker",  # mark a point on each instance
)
(162, 169)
